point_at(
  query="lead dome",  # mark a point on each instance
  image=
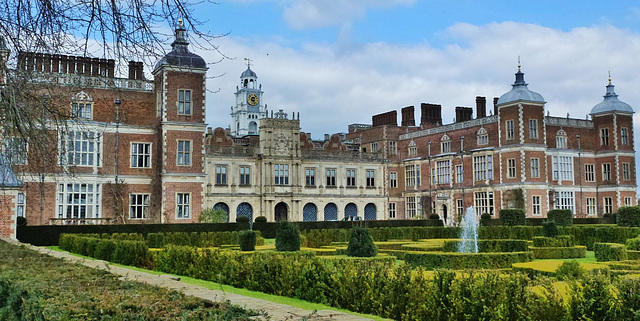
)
(611, 103)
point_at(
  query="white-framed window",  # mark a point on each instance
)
(536, 209)
(413, 149)
(245, 175)
(82, 110)
(608, 205)
(20, 204)
(78, 200)
(562, 167)
(627, 201)
(626, 173)
(184, 153)
(221, 175)
(310, 176)
(445, 144)
(589, 173)
(535, 167)
(281, 174)
(591, 206)
(371, 178)
(604, 136)
(331, 177)
(392, 210)
(482, 167)
(624, 136)
(410, 175)
(351, 177)
(393, 148)
(533, 128)
(511, 168)
(80, 148)
(184, 102)
(564, 200)
(460, 207)
(138, 205)
(483, 202)
(411, 206)
(15, 148)
(141, 155)
(183, 205)
(374, 147)
(561, 139)
(510, 129)
(443, 171)
(459, 174)
(483, 137)
(606, 171)
(393, 179)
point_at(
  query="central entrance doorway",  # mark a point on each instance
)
(281, 212)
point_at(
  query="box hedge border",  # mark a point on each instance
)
(561, 252)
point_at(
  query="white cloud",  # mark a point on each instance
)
(303, 14)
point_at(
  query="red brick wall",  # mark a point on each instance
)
(7, 215)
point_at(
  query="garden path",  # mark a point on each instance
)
(276, 311)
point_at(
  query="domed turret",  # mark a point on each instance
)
(520, 91)
(180, 56)
(611, 103)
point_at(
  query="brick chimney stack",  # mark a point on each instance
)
(463, 114)
(431, 114)
(408, 116)
(481, 107)
(495, 105)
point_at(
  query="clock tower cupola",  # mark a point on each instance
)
(249, 108)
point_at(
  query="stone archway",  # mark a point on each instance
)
(281, 212)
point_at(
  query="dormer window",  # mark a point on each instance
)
(184, 102)
(445, 144)
(483, 137)
(82, 106)
(561, 139)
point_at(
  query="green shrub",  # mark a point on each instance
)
(156, 240)
(558, 241)
(561, 217)
(287, 237)
(134, 253)
(489, 246)
(243, 223)
(105, 249)
(513, 216)
(178, 238)
(486, 216)
(214, 215)
(570, 270)
(361, 243)
(588, 235)
(633, 244)
(452, 260)
(247, 241)
(610, 252)
(549, 229)
(628, 216)
(563, 252)
(317, 238)
(242, 219)
(176, 259)
(260, 219)
(434, 216)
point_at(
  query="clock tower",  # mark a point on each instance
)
(249, 108)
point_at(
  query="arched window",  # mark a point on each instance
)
(331, 212)
(310, 212)
(245, 209)
(445, 144)
(413, 150)
(370, 212)
(223, 207)
(82, 106)
(561, 139)
(483, 137)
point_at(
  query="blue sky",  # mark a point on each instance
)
(339, 62)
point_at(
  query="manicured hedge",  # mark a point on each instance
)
(633, 244)
(591, 234)
(513, 216)
(558, 241)
(561, 217)
(125, 252)
(610, 252)
(633, 255)
(247, 241)
(628, 216)
(452, 260)
(563, 252)
(491, 246)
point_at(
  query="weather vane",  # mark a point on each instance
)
(609, 77)
(248, 62)
(518, 63)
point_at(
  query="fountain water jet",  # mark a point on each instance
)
(469, 235)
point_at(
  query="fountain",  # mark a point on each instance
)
(469, 235)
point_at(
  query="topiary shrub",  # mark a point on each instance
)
(633, 244)
(549, 229)
(434, 216)
(628, 216)
(248, 240)
(485, 216)
(610, 252)
(570, 270)
(261, 219)
(361, 243)
(561, 217)
(243, 223)
(287, 237)
(513, 216)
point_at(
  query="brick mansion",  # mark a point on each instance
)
(139, 151)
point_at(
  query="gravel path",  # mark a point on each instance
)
(275, 311)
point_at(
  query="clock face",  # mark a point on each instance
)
(253, 99)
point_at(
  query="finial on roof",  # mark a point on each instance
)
(609, 77)
(248, 62)
(180, 23)
(519, 63)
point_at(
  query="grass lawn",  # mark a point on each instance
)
(226, 288)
